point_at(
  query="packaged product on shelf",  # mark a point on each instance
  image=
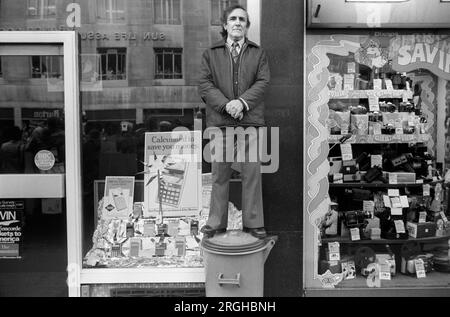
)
(349, 81)
(421, 230)
(338, 121)
(359, 124)
(335, 82)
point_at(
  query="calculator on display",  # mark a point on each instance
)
(171, 186)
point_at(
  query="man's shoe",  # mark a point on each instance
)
(209, 231)
(259, 233)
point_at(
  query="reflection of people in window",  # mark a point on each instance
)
(110, 74)
(11, 152)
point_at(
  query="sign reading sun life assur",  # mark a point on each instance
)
(10, 228)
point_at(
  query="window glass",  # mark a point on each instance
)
(113, 63)
(41, 8)
(111, 11)
(168, 63)
(46, 66)
(167, 11)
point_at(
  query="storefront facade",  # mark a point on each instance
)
(138, 64)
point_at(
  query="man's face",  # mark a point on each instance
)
(236, 25)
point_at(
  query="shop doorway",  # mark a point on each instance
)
(38, 80)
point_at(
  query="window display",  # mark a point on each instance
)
(378, 217)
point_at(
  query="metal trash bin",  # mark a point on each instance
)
(234, 264)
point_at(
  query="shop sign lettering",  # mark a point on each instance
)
(428, 52)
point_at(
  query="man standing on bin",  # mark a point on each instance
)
(234, 75)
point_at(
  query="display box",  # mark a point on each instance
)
(400, 177)
(359, 124)
(421, 230)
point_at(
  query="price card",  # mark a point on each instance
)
(443, 216)
(404, 201)
(399, 226)
(420, 268)
(393, 192)
(346, 152)
(369, 206)
(385, 271)
(373, 103)
(396, 211)
(395, 202)
(376, 160)
(338, 178)
(354, 234)
(426, 190)
(387, 201)
(419, 181)
(405, 97)
(389, 85)
(376, 128)
(393, 178)
(422, 216)
(351, 67)
(333, 251)
(377, 84)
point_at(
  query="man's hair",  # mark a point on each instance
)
(225, 15)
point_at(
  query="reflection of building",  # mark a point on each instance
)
(146, 54)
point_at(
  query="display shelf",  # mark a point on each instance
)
(142, 275)
(361, 94)
(382, 138)
(345, 240)
(436, 283)
(379, 185)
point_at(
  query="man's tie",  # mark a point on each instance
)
(234, 51)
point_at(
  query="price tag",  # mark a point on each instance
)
(404, 201)
(387, 201)
(354, 234)
(369, 206)
(426, 190)
(346, 151)
(443, 216)
(376, 160)
(422, 217)
(405, 97)
(373, 103)
(376, 128)
(393, 192)
(338, 178)
(392, 178)
(420, 268)
(385, 271)
(377, 84)
(396, 211)
(399, 226)
(395, 202)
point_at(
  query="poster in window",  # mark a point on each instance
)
(11, 212)
(172, 174)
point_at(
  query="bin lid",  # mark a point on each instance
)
(233, 241)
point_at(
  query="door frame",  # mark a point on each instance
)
(72, 120)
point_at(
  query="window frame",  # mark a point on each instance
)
(166, 14)
(111, 12)
(48, 63)
(43, 10)
(173, 52)
(120, 54)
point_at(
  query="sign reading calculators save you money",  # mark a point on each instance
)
(172, 173)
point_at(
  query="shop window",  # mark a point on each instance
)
(42, 8)
(168, 63)
(217, 8)
(167, 11)
(113, 63)
(46, 66)
(111, 11)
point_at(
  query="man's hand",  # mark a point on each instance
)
(234, 108)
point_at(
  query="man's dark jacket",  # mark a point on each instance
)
(216, 84)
